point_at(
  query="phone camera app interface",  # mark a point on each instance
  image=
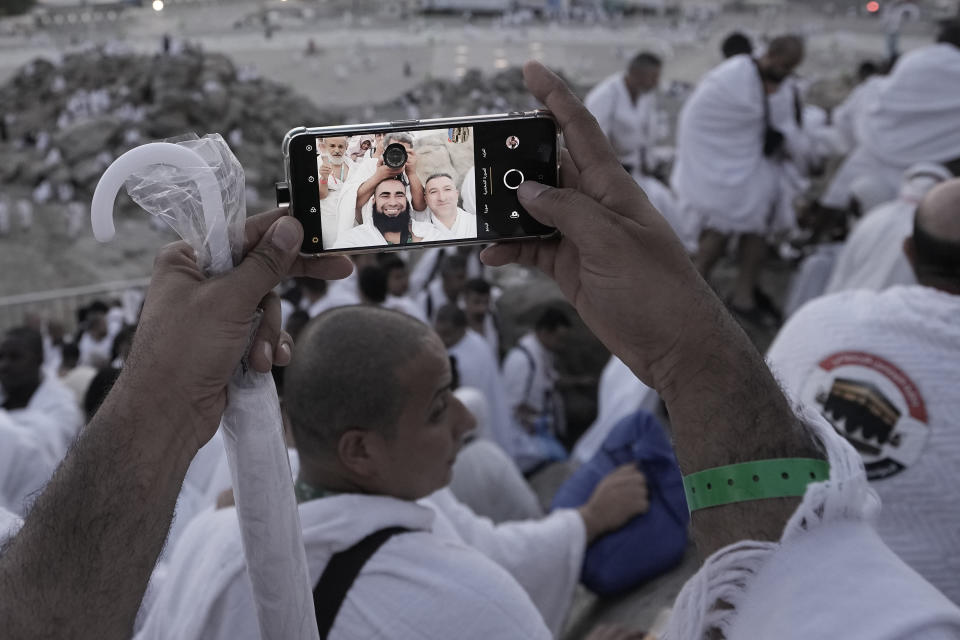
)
(509, 153)
(396, 188)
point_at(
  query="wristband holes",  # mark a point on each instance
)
(756, 478)
(785, 475)
(730, 482)
(709, 486)
(813, 476)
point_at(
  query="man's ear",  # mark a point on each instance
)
(357, 452)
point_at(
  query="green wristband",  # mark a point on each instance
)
(778, 478)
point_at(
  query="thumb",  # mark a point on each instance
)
(267, 263)
(572, 212)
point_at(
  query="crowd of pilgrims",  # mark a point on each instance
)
(867, 336)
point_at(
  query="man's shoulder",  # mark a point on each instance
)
(607, 87)
(359, 236)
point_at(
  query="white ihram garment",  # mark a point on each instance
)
(468, 190)
(477, 367)
(873, 257)
(9, 525)
(26, 465)
(330, 206)
(631, 127)
(484, 477)
(620, 393)
(464, 227)
(721, 176)
(884, 368)
(454, 576)
(534, 386)
(347, 207)
(52, 414)
(405, 304)
(915, 117)
(829, 575)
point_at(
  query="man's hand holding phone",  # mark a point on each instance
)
(627, 274)
(617, 260)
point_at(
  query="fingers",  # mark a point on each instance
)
(271, 345)
(323, 268)
(575, 214)
(256, 226)
(569, 174)
(265, 265)
(586, 141)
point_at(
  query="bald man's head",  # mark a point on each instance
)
(344, 374)
(934, 248)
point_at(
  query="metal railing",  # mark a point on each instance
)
(61, 304)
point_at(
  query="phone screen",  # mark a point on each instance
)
(420, 186)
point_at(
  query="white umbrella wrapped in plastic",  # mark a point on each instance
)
(196, 185)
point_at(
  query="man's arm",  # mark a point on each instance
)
(324, 187)
(418, 198)
(630, 279)
(80, 565)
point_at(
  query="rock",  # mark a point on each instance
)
(87, 139)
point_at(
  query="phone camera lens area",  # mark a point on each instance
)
(395, 155)
(513, 178)
(513, 142)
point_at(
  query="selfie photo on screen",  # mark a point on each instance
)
(398, 188)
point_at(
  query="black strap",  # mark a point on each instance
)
(533, 370)
(763, 92)
(341, 571)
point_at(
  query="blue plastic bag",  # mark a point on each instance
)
(651, 543)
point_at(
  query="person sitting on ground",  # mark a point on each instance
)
(33, 399)
(882, 367)
(872, 256)
(368, 466)
(481, 316)
(448, 288)
(477, 368)
(398, 286)
(318, 296)
(535, 405)
(485, 477)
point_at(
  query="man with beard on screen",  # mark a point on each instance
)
(391, 220)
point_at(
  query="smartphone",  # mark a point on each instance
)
(415, 183)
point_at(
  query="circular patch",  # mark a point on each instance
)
(875, 406)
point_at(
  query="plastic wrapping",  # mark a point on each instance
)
(197, 187)
(175, 194)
